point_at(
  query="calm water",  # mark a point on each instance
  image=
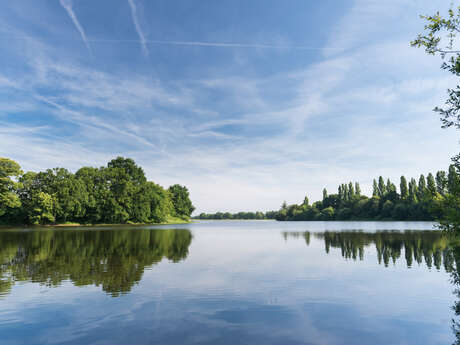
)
(228, 282)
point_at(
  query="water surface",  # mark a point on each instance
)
(228, 282)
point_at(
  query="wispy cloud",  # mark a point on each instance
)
(133, 7)
(215, 44)
(67, 5)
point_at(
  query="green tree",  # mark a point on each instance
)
(439, 39)
(413, 191)
(8, 198)
(441, 182)
(422, 190)
(324, 194)
(431, 185)
(403, 188)
(375, 188)
(42, 211)
(381, 188)
(305, 202)
(452, 179)
(181, 201)
(357, 189)
(351, 191)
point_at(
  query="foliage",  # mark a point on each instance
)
(239, 215)
(8, 198)
(418, 201)
(118, 193)
(440, 39)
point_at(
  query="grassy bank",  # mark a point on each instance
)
(170, 221)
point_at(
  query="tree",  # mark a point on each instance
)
(403, 188)
(413, 191)
(181, 201)
(357, 189)
(452, 180)
(351, 191)
(375, 188)
(431, 185)
(324, 194)
(439, 39)
(441, 182)
(421, 191)
(305, 201)
(8, 197)
(439, 30)
(381, 188)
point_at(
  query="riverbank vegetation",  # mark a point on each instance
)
(421, 199)
(416, 200)
(118, 193)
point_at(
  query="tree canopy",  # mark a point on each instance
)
(118, 193)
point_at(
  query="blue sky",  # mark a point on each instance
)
(248, 103)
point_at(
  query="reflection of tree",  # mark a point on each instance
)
(113, 259)
(431, 247)
(428, 246)
(455, 279)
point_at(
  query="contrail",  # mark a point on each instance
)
(67, 5)
(133, 7)
(217, 44)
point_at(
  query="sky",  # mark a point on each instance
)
(247, 103)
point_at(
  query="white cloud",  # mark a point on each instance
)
(68, 6)
(139, 31)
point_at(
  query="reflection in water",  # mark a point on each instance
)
(430, 247)
(114, 259)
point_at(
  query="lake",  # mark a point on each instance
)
(228, 282)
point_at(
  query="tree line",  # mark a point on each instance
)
(421, 199)
(239, 215)
(118, 193)
(428, 198)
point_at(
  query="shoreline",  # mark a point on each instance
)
(175, 221)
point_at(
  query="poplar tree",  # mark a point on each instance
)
(421, 191)
(345, 192)
(351, 191)
(305, 201)
(357, 189)
(324, 194)
(403, 188)
(413, 191)
(382, 189)
(375, 188)
(441, 182)
(431, 184)
(452, 179)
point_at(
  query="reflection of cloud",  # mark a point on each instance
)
(285, 292)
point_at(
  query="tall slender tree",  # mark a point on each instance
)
(375, 188)
(357, 189)
(403, 188)
(421, 190)
(382, 187)
(441, 182)
(431, 184)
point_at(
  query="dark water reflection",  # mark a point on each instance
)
(429, 247)
(112, 259)
(229, 283)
